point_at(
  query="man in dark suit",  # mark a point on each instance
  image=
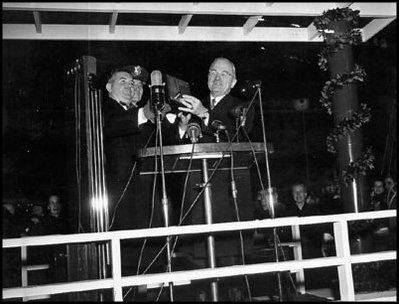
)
(127, 127)
(217, 106)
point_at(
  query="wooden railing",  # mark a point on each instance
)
(343, 259)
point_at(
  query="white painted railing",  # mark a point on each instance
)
(343, 260)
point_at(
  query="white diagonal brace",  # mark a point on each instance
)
(112, 22)
(374, 26)
(38, 23)
(312, 31)
(250, 24)
(184, 21)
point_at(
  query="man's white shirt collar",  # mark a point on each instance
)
(217, 99)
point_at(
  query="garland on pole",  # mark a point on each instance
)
(346, 125)
(338, 82)
(337, 42)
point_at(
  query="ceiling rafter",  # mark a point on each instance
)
(250, 24)
(112, 22)
(184, 21)
(38, 24)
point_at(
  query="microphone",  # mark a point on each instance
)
(194, 130)
(157, 90)
(237, 111)
(218, 125)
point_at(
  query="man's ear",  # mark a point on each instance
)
(233, 83)
(108, 87)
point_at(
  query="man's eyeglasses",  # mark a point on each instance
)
(223, 74)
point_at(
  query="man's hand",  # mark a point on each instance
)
(192, 105)
(149, 112)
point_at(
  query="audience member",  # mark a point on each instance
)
(314, 238)
(267, 205)
(55, 223)
(331, 199)
(36, 224)
(10, 225)
(378, 197)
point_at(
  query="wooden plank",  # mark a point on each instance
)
(112, 22)
(226, 8)
(38, 24)
(250, 24)
(375, 26)
(154, 33)
(184, 21)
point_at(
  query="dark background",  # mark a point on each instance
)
(38, 109)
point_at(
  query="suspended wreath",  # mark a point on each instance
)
(337, 41)
(359, 167)
(348, 124)
(338, 82)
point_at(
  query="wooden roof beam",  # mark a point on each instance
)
(112, 22)
(376, 9)
(38, 23)
(184, 21)
(154, 33)
(373, 27)
(250, 24)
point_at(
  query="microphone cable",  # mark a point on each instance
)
(263, 188)
(152, 208)
(176, 237)
(127, 185)
(234, 195)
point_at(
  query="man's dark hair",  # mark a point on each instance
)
(117, 70)
(299, 183)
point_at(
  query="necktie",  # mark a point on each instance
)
(213, 101)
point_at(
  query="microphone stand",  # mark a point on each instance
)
(269, 187)
(165, 203)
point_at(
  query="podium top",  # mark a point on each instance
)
(177, 157)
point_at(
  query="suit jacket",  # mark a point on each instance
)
(123, 137)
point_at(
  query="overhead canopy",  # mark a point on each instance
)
(174, 21)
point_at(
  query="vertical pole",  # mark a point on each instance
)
(165, 203)
(208, 220)
(345, 102)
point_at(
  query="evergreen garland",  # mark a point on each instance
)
(336, 42)
(348, 124)
(338, 82)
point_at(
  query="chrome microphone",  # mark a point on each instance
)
(237, 111)
(218, 125)
(157, 90)
(194, 131)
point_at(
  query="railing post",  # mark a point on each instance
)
(297, 249)
(345, 276)
(116, 268)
